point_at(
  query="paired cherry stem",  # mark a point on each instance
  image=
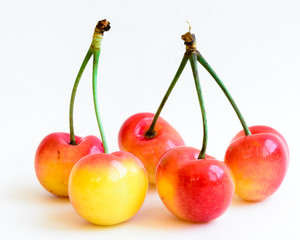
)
(94, 50)
(193, 56)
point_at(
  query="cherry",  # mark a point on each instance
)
(107, 189)
(258, 156)
(259, 163)
(55, 158)
(194, 186)
(262, 129)
(132, 138)
(148, 136)
(58, 152)
(195, 190)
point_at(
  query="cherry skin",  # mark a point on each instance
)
(195, 190)
(149, 150)
(107, 189)
(55, 158)
(259, 163)
(262, 129)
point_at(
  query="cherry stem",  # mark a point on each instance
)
(193, 61)
(204, 63)
(101, 27)
(150, 133)
(71, 122)
(95, 94)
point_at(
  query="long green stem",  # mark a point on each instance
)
(204, 63)
(193, 61)
(150, 133)
(71, 123)
(95, 73)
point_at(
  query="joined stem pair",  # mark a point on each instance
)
(94, 50)
(193, 56)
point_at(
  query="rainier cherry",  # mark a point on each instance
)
(194, 186)
(133, 138)
(195, 190)
(258, 162)
(258, 156)
(55, 158)
(58, 152)
(107, 189)
(148, 136)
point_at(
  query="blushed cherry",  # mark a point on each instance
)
(259, 163)
(193, 186)
(107, 189)
(133, 138)
(258, 156)
(58, 152)
(195, 190)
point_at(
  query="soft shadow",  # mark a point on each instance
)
(158, 218)
(67, 219)
(239, 202)
(154, 215)
(56, 212)
(163, 222)
(36, 195)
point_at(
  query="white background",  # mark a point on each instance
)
(252, 45)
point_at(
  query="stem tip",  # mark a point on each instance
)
(103, 25)
(190, 27)
(190, 43)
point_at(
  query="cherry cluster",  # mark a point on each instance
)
(109, 188)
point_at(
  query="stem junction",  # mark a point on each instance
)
(193, 55)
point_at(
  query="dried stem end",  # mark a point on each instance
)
(190, 43)
(101, 27)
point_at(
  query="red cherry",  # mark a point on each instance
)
(262, 129)
(195, 190)
(58, 152)
(149, 150)
(259, 163)
(55, 158)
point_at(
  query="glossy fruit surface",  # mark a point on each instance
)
(262, 129)
(259, 163)
(55, 158)
(107, 189)
(195, 190)
(148, 150)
